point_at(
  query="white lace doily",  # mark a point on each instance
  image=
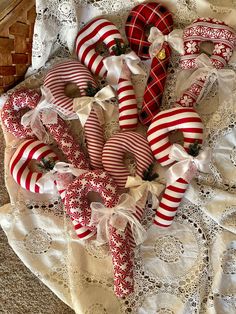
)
(188, 268)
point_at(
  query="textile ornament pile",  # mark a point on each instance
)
(206, 70)
(155, 18)
(116, 218)
(116, 68)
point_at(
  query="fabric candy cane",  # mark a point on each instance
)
(64, 175)
(54, 100)
(11, 111)
(19, 165)
(114, 152)
(117, 68)
(78, 207)
(157, 46)
(89, 110)
(207, 69)
(189, 123)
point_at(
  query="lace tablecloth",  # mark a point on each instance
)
(187, 268)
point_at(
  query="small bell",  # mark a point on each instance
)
(161, 54)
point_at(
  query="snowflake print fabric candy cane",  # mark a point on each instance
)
(142, 18)
(114, 152)
(223, 38)
(189, 123)
(63, 177)
(113, 226)
(117, 68)
(11, 112)
(19, 164)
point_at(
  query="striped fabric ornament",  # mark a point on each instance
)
(140, 20)
(189, 123)
(94, 140)
(114, 152)
(11, 112)
(19, 164)
(70, 71)
(102, 31)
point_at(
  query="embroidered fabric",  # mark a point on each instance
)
(187, 268)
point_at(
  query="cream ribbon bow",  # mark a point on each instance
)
(118, 217)
(32, 118)
(174, 39)
(122, 66)
(83, 105)
(138, 189)
(187, 166)
(226, 79)
(47, 181)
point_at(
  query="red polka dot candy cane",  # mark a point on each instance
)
(20, 164)
(115, 68)
(141, 18)
(114, 152)
(189, 123)
(207, 69)
(12, 109)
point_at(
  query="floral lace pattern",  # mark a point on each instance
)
(188, 268)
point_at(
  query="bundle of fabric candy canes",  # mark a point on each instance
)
(116, 218)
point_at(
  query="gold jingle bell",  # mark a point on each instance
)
(161, 54)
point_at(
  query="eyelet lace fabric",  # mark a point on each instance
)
(185, 269)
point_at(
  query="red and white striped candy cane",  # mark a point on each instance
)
(102, 31)
(189, 122)
(19, 164)
(114, 152)
(58, 77)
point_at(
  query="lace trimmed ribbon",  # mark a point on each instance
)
(187, 166)
(83, 105)
(47, 181)
(226, 79)
(174, 39)
(118, 217)
(45, 107)
(122, 66)
(139, 189)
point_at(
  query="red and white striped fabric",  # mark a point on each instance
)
(114, 152)
(19, 164)
(184, 119)
(94, 139)
(70, 71)
(11, 112)
(102, 31)
(189, 122)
